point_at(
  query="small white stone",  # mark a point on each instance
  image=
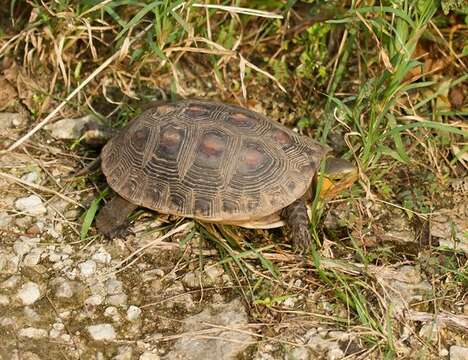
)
(94, 300)
(133, 313)
(335, 354)
(114, 286)
(102, 332)
(29, 293)
(102, 256)
(33, 333)
(31, 204)
(20, 248)
(64, 290)
(4, 301)
(33, 257)
(87, 268)
(117, 299)
(31, 177)
(68, 128)
(149, 356)
(5, 220)
(11, 282)
(458, 352)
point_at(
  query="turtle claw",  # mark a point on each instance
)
(120, 232)
(301, 240)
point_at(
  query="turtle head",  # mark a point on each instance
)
(338, 175)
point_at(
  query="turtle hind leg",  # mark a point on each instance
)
(297, 221)
(112, 220)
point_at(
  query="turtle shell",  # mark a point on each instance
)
(211, 161)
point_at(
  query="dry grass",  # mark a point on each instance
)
(401, 121)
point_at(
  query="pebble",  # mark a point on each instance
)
(133, 313)
(118, 299)
(149, 356)
(29, 293)
(11, 282)
(458, 352)
(68, 128)
(64, 290)
(33, 333)
(9, 120)
(112, 312)
(87, 268)
(114, 286)
(33, 257)
(31, 204)
(94, 300)
(102, 332)
(5, 220)
(102, 256)
(4, 301)
(31, 177)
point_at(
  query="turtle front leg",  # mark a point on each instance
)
(297, 221)
(112, 220)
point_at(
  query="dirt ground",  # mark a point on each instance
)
(387, 277)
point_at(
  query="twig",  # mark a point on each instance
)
(106, 63)
(40, 188)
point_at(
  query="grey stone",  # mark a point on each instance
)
(87, 268)
(29, 293)
(458, 352)
(217, 342)
(133, 313)
(69, 128)
(102, 332)
(33, 333)
(31, 204)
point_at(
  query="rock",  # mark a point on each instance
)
(102, 256)
(102, 332)
(216, 342)
(112, 312)
(9, 120)
(33, 333)
(5, 220)
(64, 289)
(125, 353)
(133, 313)
(117, 299)
(87, 268)
(33, 177)
(299, 353)
(149, 356)
(31, 204)
(335, 354)
(94, 300)
(33, 257)
(114, 286)
(11, 282)
(29, 293)
(69, 128)
(458, 352)
(4, 301)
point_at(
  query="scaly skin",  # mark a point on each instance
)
(112, 220)
(297, 220)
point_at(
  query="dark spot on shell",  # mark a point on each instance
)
(165, 109)
(230, 206)
(281, 137)
(210, 150)
(202, 207)
(177, 201)
(170, 141)
(252, 158)
(307, 169)
(242, 120)
(140, 138)
(291, 186)
(195, 110)
(252, 204)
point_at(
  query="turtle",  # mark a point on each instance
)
(217, 163)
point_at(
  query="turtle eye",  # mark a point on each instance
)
(139, 138)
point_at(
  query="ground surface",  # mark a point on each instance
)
(388, 277)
